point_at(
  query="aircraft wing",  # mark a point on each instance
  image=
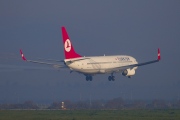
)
(42, 62)
(51, 60)
(139, 64)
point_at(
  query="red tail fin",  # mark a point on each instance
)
(69, 51)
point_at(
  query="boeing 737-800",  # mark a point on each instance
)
(90, 66)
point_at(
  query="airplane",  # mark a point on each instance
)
(90, 66)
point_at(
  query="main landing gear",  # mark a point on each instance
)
(89, 78)
(111, 78)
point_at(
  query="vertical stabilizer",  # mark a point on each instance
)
(69, 51)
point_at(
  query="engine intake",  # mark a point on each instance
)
(128, 72)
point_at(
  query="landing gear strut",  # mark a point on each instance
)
(89, 78)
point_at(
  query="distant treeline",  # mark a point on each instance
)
(116, 103)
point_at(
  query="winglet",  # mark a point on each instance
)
(22, 55)
(159, 55)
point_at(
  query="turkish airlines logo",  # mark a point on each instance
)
(67, 45)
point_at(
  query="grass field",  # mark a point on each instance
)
(89, 114)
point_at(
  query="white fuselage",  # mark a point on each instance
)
(100, 64)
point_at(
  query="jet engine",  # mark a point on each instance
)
(128, 72)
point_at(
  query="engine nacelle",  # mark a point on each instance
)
(128, 72)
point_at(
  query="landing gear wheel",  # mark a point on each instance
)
(89, 78)
(111, 78)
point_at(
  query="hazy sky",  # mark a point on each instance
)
(97, 27)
